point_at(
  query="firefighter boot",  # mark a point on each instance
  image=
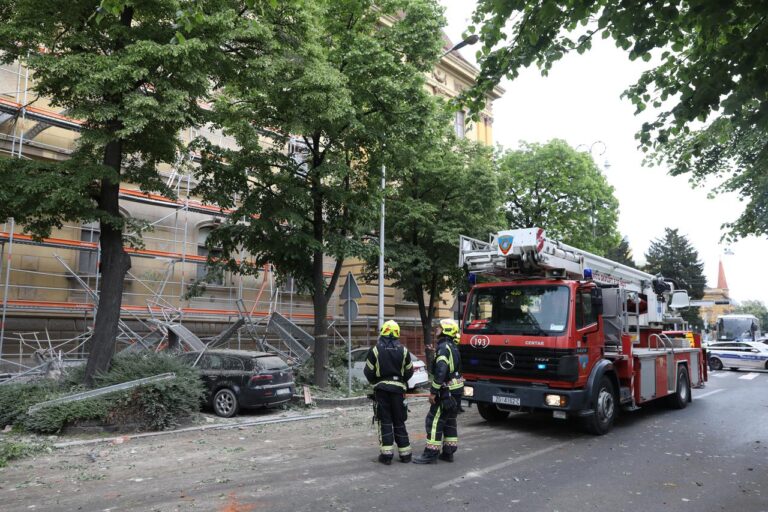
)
(385, 458)
(428, 457)
(446, 456)
(406, 458)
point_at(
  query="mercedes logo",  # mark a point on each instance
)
(480, 341)
(507, 360)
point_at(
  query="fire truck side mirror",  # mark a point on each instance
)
(596, 295)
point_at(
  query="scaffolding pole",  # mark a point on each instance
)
(5, 287)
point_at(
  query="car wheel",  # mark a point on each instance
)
(604, 403)
(225, 403)
(715, 364)
(491, 413)
(683, 393)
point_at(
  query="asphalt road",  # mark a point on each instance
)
(711, 456)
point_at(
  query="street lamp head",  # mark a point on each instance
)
(470, 40)
(473, 39)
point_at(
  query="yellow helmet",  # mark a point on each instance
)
(390, 328)
(450, 328)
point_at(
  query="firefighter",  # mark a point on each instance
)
(388, 367)
(445, 397)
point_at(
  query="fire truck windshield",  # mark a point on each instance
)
(538, 310)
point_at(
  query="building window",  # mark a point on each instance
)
(88, 261)
(210, 275)
(459, 124)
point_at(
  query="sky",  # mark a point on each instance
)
(579, 102)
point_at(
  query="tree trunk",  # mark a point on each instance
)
(320, 305)
(113, 265)
(426, 313)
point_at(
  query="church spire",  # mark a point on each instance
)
(721, 282)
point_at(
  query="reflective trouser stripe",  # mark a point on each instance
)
(432, 437)
(393, 382)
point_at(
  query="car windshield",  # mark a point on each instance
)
(270, 363)
(533, 310)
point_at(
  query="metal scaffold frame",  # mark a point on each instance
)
(151, 301)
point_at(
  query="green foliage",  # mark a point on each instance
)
(15, 399)
(135, 81)
(754, 307)
(51, 419)
(674, 257)
(123, 77)
(156, 406)
(339, 84)
(11, 450)
(439, 188)
(561, 190)
(621, 253)
(708, 79)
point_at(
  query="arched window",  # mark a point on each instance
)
(205, 273)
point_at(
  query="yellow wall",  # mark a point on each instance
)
(38, 276)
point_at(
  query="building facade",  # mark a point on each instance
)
(48, 288)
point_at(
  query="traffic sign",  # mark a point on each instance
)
(350, 310)
(351, 291)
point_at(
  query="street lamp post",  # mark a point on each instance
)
(381, 245)
(474, 38)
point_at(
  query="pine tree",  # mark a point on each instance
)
(674, 257)
(621, 253)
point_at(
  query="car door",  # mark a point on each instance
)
(233, 371)
(728, 353)
(751, 356)
(208, 365)
(589, 345)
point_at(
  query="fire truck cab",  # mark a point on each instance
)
(569, 332)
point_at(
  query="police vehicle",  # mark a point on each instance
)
(738, 354)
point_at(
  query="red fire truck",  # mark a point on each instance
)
(570, 332)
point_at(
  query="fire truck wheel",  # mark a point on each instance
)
(683, 393)
(715, 363)
(491, 413)
(604, 403)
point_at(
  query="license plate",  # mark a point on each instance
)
(506, 400)
(284, 391)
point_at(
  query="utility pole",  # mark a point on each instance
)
(381, 246)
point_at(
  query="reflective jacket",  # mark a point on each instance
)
(388, 365)
(446, 368)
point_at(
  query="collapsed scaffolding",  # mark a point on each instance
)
(248, 312)
(149, 319)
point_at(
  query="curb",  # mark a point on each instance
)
(341, 402)
(220, 426)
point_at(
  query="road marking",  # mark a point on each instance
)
(490, 469)
(697, 397)
(719, 374)
(749, 376)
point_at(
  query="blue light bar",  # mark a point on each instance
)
(541, 366)
(588, 274)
